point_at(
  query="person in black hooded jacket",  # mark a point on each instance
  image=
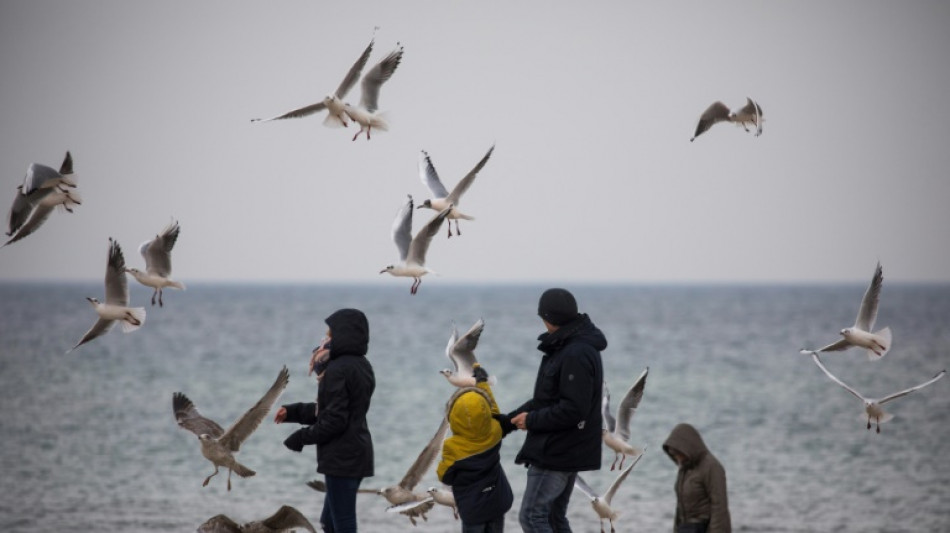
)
(563, 418)
(336, 423)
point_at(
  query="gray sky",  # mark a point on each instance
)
(590, 105)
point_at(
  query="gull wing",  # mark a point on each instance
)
(463, 352)
(717, 112)
(856, 394)
(867, 313)
(836, 346)
(629, 403)
(37, 217)
(912, 389)
(609, 495)
(39, 177)
(219, 524)
(582, 486)
(375, 78)
(430, 178)
(426, 458)
(100, 328)
(296, 113)
(409, 506)
(354, 73)
(287, 517)
(466, 182)
(117, 284)
(249, 421)
(320, 486)
(402, 229)
(67, 166)
(22, 207)
(158, 251)
(188, 417)
(609, 419)
(453, 338)
(420, 243)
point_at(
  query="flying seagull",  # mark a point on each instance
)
(158, 262)
(365, 113)
(402, 494)
(218, 445)
(43, 188)
(749, 114)
(601, 504)
(285, 519)
(333, 102)
(45, 200)
(878, 343)
(461, 352)
(617, 431)
(873, 407)
(412, 250)
(443, 199)
(116, 307)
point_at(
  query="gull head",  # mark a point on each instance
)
(427, 203)
(389, 268)
(204, 437)
(845, 332)
(93, 301)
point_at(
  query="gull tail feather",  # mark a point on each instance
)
(333, 121)
(138, 316)
(242, 470)
(176, 284)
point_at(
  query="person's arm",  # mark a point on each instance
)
(575, 390)
(719, 520)
(301, 413)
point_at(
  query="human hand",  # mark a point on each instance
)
(520, 420)
(295, 441)
(480, 374)
(280, 416)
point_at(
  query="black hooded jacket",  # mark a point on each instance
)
(564, 417)
(337, 421)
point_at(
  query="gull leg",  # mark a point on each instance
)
(132, 320)
(160, 303)
(457, 230)
(612, 530)
(207, 479)
(450, 228)
(878, 424)
(869, 422)
(153, 296)
(614, 464)
(368, 129)
(357, 135)
(229, 480)
(622, 457)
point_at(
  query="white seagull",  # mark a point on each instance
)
(617, 431)
(412, 250)
(749, 114)
(365, 114)
(285, 519)
(443, 198)
(45, 200)
(444, 497)
(601, 504)
(116, 307)
(43, 189)
(333, 103)
(873, 407)
(218, 445)
(158, 262)
(878, 343)
(401, 497)
(461, 352)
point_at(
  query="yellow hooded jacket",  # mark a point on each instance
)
(474, 430)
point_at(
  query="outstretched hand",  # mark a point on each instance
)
(280, 416)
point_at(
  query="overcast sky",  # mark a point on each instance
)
(590, 105)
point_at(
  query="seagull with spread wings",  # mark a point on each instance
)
(158, 262)
(876, 344)
(412, 250)
(218, 445)
(617, 430)
(285, 519)
(42, 190)
(116, 307)
(443, 199)
(749, 114)
(461, 352)
(332, 103)
(873, 407)
(365, 114)
(601, 504)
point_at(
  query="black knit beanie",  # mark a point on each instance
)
(557, 306)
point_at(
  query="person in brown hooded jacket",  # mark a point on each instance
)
(702, 505)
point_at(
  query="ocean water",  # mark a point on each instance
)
(89, 442)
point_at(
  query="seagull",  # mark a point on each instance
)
(284, 519)
(402, 494)
(461, 351)
(749, 114)
(873, 407)
(412, 250)
(333, 102)
(45, 201)
(116, 308)
(601, 504)
(218, 445)
(365, 113)
(443, 198)
(158, 262)
(444, 497)
(617, 431)
(878, 343)
(40, 180)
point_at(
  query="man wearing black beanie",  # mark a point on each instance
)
(563, 419)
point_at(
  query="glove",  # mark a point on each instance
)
(295, 441)
(481, 376)
(506, 425)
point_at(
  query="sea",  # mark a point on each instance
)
(89, 441)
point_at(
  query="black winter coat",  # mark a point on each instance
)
(480, 487)
(337, 421)
(564, 417)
